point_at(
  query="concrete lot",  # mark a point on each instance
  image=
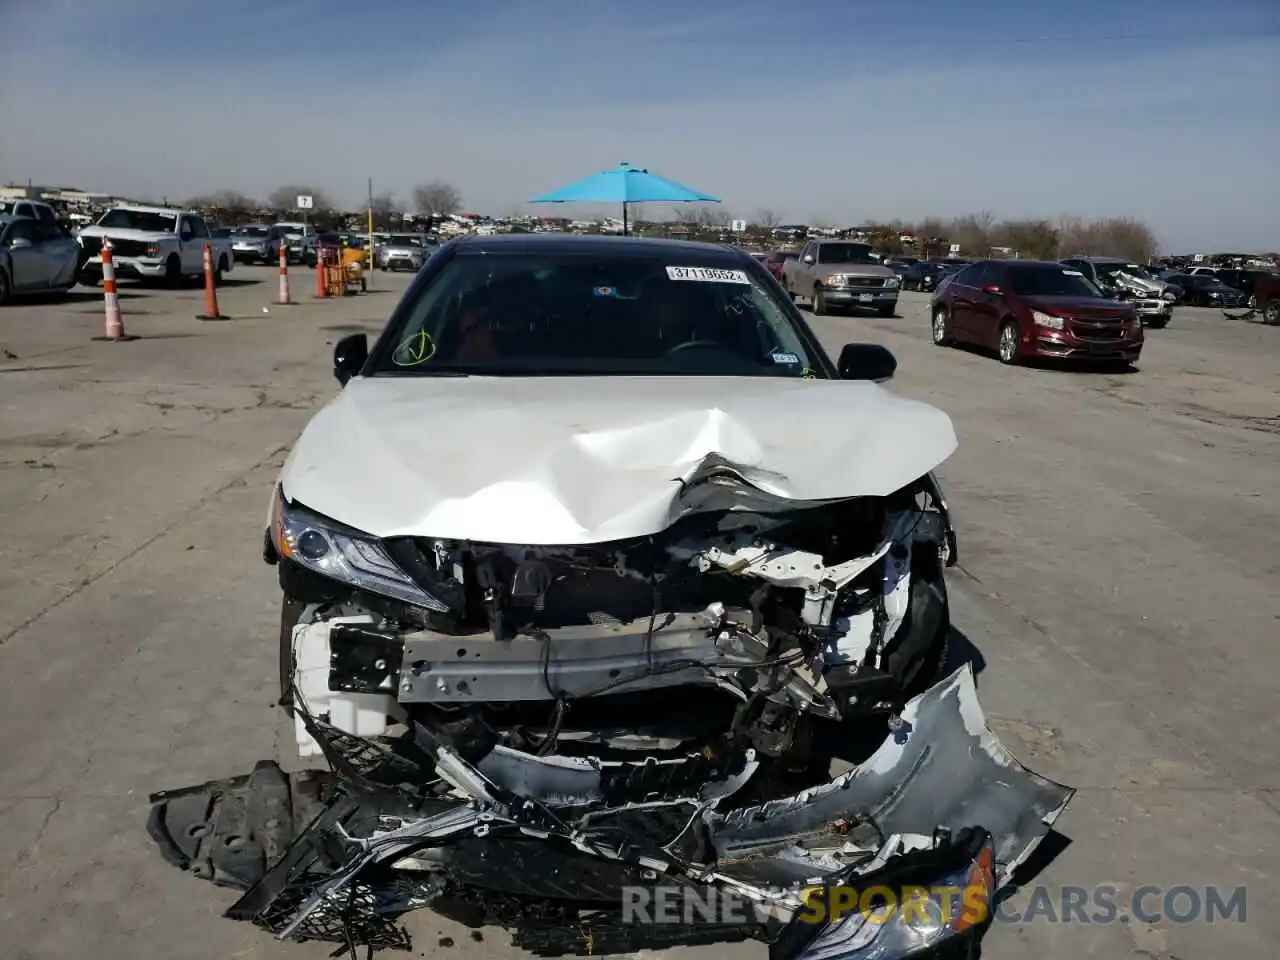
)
(1118, 578)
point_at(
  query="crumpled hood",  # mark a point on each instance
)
(569, 460)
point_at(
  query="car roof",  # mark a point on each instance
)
(553, 243)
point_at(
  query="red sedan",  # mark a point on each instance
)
(1030, 308)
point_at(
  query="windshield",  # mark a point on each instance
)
(249, 232)
(140, 220)
(1051, 282)
(406, 240)
(8, 208)
(845, 253)
(570, 314)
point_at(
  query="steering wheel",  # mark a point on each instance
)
(695, 344)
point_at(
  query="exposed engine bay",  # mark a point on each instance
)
(517, 735)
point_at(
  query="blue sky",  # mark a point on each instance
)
(825, 110)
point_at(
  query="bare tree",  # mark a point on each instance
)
(973, 232)
(286, 197)
(1029, 239)
(687, 214)
(229, 204)
(766, 218)
(436, 198)
(386, 213)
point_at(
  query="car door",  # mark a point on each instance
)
(988, 308)
(802, 273)
(59, 251)
(26, 257)
(961, 291)
(201, 236)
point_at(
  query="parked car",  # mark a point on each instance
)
(258, 243)
(36, 210)
(777, 259)
(1151, 297)
(300, 239)
(1030, 308)
(924, 275)
(600, 602)
(1245, 280)
(1266, 296)
(35, 257)
(153, 243)
(402, 251)
(842, 274)
(1206, 290)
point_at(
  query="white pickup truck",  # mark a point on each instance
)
(153, 243)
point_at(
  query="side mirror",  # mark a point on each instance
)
(866, 361)
(808, 258)
(992, 288)
(349, 356)
(20, 243)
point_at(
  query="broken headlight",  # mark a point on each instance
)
(913, 920)
(336, 551)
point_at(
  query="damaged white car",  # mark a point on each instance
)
(599, 576)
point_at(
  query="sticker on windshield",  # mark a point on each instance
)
(413, 350)
(707, 275)
(1072, 273)
(785, 358)
(605, 291)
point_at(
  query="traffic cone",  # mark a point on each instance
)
(322, 284)
(210, 288)
(114, 328)
(284, 299)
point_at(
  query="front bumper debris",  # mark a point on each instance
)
(548, 847)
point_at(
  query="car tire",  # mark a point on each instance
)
(4, 287)
(818, 303)
(888, 310)
(917, 656)
(1158, 323)
(1271, 314)
(1009, 346)
(941, 328)
(173, 272)
(87, 279)
(218, 273)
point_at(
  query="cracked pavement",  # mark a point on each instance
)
(1118, 581)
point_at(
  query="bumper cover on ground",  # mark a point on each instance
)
(339, 855)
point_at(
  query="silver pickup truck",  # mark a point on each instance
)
(841, 274)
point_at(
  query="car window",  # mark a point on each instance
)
(860, 253)
(22, 229)
(198, 228)
(569, 314)
(140, 220)
(965, 276)
(1051, 281)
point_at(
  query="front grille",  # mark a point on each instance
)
(128, 248)
(865, 283)
(1097, 329)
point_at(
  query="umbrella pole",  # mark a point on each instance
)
(624, 218)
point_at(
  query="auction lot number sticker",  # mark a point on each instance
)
(708, 275)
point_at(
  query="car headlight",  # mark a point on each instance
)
(836, 280)
(893, 283)
(1169, 295)
(341, 553)
(1046, 320)
(918, 922)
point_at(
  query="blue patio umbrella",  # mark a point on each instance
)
(626, 184)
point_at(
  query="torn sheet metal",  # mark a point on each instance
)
(530, 843)
(567, 460)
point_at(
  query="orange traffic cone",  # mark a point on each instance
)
(322, 281)
(284, 299)
(114, 322)
(210, 288)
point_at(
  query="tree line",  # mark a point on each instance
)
(433, 199)
(977, 234)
